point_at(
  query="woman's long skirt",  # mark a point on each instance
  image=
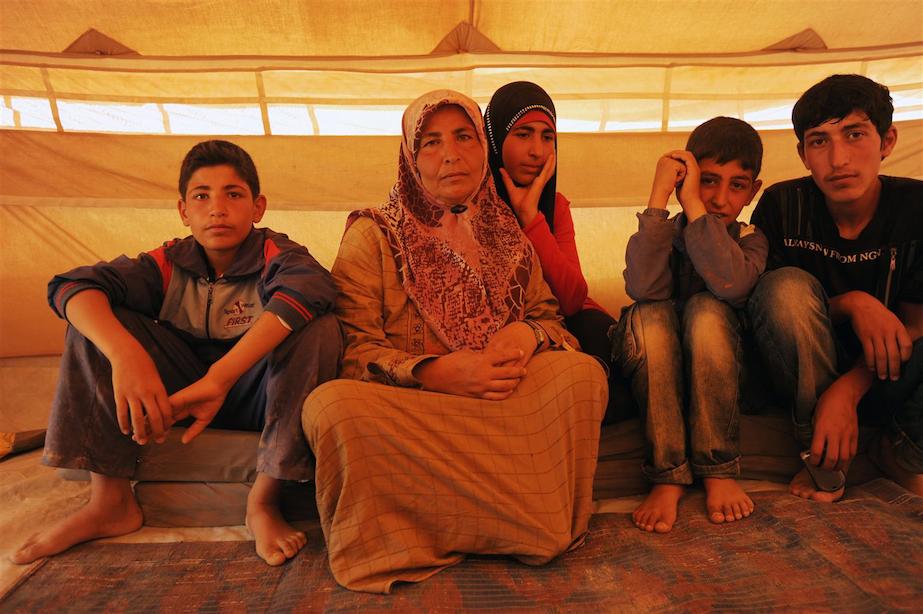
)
(410, 481)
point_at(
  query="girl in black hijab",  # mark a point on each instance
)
(522, 146)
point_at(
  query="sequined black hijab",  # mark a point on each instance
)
(508, 104)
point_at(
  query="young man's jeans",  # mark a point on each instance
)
(655, 351)
(803, 354)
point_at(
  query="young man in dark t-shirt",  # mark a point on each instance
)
(839, 318)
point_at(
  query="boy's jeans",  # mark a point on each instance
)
(654, 351)
(83, 431)
(800, 348)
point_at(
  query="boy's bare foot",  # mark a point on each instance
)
(658, 511)
(112, 510)
(882, 454)
(725, 500)
(803, 486)
(276, 540)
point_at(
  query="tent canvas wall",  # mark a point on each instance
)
(100, 99)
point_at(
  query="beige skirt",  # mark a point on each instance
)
(409, 481)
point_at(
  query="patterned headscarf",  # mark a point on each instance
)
(465, 303)
(508, 106)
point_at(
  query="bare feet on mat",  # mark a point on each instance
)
(658, 511)
(112, 510)
(276, 540)
(803, 486)
(725, 500)
(882, 454)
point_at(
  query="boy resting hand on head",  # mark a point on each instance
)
(690, 276)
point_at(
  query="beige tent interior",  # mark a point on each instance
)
(101, 99)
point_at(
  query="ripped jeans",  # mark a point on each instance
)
(667, 360)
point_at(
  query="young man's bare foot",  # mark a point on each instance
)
(112, 510)
(725, 500)
(882, 454)
(276, 540)
(803, 486)
(658, 511)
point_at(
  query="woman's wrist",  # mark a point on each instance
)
(541, 337)
(423, 370)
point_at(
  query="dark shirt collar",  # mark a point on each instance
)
(189, 255)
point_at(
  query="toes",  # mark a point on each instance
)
(826, 497)
(284, 548)
(275, 558)
(643, 520)
(24, 555)
(716, 516)
(644, 525)
(662, 527)
(287, 548)
(29, 552)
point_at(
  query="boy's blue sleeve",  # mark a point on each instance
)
(133, 283)
(294, 286)
(729, 267)
(647, 257)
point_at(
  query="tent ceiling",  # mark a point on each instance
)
(620, 65)
(337, 28)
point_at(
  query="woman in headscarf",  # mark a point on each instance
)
(522, 152)
(459, 432)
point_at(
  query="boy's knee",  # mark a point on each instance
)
(323, 336)
(704, 306)
(785, 298)
(786, 289)
(645, 328)
(706, 318)
(655, 322)
(328, 330)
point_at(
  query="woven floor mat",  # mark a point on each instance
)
(862, 554)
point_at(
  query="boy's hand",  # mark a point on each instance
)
(524, 200)
(669, 173)
(836, 424)
(884, 338)
(201, 400)
(688, 192)
(141, 405)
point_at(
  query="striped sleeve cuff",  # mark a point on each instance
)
(290, 309)
(66, 292)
